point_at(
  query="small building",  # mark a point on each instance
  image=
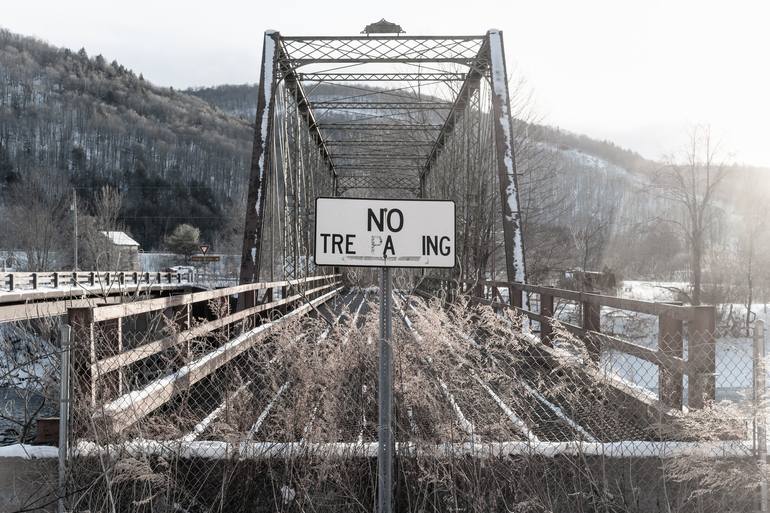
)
(123, 251)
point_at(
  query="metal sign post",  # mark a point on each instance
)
(64, 409)
(385, 233)
(385, 395)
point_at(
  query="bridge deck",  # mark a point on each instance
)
(491, 395)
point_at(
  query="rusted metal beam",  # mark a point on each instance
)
(372, 105)
(380, 126)
(670, 343)
(303, 50)
(260, 163)
(701, 355)
(506, 163)
(381, 77)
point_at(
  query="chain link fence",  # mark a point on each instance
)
(185, 404)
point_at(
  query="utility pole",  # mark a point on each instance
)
(74, 208)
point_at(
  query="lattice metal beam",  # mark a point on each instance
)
(470, 85)
(379, 182)
(379, 126)
(377, 142)
(364, 105)
(381, 49)
(381, 77)
(420, 156)
(295, 86)
(399, 167)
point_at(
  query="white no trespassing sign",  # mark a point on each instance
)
(384, 233)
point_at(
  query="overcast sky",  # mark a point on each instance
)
(636, 72)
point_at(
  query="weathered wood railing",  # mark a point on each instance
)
(695, 325)
(102, 359)
(51, 280)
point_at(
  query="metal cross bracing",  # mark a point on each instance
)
(404, 184)
(366, 105)
(381, 49)
(381, 77)
(386, 116)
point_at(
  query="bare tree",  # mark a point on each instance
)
(543, 202)
(752, 245)
(591, 234)
(36, 217)
(692, 181)
(100, 253)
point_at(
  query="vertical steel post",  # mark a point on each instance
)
(506, 163)
(385, 396)
(260, 164)
(760, 428)
(64, 408)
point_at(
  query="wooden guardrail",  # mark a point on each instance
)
(102, 360)
(677, 325)
(15, 281)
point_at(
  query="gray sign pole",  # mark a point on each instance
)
(385, 396)
(64, 409)
(760, 428)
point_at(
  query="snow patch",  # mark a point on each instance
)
(29, 452)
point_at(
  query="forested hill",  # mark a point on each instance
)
(72, 120)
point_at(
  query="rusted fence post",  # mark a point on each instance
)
(670, 386)
(83, 353)
(592, 322)
(546, 312)
(701, 356)
(514, 297)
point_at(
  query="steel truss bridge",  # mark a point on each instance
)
(199, 384)
(385, 116)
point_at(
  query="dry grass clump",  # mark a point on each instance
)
(313, 380)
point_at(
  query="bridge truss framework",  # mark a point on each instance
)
(382, 116)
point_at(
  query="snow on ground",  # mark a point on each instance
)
(734, 354)
(651, 290)
(29, 452)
